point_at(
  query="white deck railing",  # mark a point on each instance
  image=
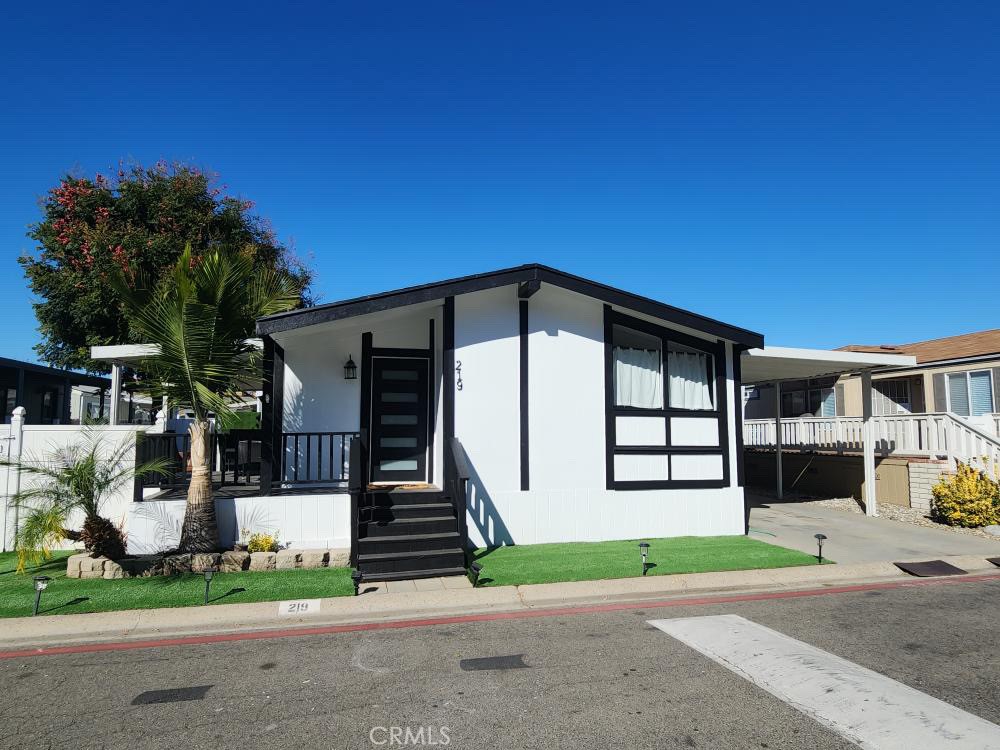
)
(935, 434)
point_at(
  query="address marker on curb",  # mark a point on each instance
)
(299, 607)
(860, 705)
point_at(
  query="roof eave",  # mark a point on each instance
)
(429, 292)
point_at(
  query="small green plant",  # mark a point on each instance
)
(967, 498)
(263, 543)
(76, 478)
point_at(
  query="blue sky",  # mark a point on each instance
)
(821, 176)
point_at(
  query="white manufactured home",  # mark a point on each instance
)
(558, 409)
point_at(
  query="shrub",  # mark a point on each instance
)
(968, 498)
(263, 543)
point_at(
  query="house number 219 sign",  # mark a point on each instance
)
(299, 607)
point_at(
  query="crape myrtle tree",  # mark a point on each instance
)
(135, 224)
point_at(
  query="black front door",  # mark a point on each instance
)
(399, 420)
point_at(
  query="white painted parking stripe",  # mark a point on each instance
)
(862, 706)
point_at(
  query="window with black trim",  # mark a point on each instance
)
(666, 407)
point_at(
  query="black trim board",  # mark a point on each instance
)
(431, 410)
(527, 275)
(365, 419)
(448, 375)
(523, 401)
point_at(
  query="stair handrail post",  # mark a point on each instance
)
(459, 467)
(357, 484)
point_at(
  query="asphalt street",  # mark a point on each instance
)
(603, 680)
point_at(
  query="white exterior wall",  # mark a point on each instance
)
(568, 499)
(300, 521)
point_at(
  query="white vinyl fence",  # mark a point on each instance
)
(37, 443)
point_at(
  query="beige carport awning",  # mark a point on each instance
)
(776, 364)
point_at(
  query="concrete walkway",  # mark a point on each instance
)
(855, 538)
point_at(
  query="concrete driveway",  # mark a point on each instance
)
(855, 538)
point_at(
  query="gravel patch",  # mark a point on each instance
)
(899, 513)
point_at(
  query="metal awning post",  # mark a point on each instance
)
(777, 440)
(116, 393)
(868, 439)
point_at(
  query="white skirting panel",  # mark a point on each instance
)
(301, 521)
(542, 516)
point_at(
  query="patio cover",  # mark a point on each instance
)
(774, 364)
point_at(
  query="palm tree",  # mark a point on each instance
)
(202, 317)
(78, 478)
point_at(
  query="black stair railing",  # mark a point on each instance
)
(357, 483)
(459, 483)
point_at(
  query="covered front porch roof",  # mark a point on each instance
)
(776, 364)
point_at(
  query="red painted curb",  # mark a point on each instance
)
(196, 640)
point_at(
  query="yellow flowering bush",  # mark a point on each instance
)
(262, 543)
(966, 498)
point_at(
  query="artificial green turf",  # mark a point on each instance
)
(592, 561)
(74, 595)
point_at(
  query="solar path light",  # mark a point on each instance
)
(819, 544)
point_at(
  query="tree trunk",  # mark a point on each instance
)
(200, 532)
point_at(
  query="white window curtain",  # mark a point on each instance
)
(638, 381)
(689, 387)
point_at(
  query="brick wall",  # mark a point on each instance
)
(923, 476)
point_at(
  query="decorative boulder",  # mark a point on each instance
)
(177, 564)
(113, 571)
(314, 559)
(339, 558)
(288, 559)
(73, 563)
(234, 561)
(92, 567)
(143, 566)
(263, 560)
(203, 561)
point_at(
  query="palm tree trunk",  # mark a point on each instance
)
(200, 532)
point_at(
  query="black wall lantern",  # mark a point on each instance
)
(350, 369)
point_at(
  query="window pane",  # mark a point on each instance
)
(981, 388)
(398, 465)
(689, 375)
(398, 419)
(638, 375)
(398, 442)
(399, 374)
(399, 398)
(793, 404)
(958, 394)
(829, 403)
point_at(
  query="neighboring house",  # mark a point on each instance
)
(957, 374)
(925, 416)
(49, 395)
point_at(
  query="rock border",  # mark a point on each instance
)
(84, 565)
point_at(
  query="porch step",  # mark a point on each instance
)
(409, 575)
(415, 510)
(407, 526)
(408, 562)
(408, 543)
(408, 497)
